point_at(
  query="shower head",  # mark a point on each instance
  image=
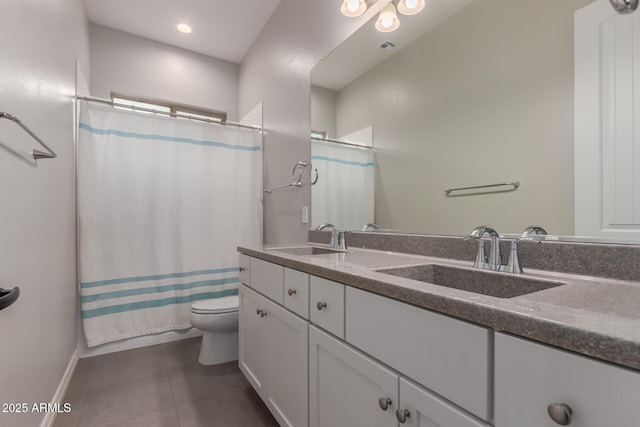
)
(625, 6)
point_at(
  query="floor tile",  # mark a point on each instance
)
(182, 354)
(120, 368)
(119, 403)
(201, 381)
(166, 418)
(234, 409)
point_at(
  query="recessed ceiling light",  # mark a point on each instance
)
(184, 28)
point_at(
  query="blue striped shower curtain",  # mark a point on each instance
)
(162, 205)
(344, 193)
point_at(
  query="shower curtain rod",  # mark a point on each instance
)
(164, 113)
(336, 141)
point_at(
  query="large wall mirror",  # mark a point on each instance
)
(481, 92)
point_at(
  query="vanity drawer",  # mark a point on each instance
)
(326, 305)
(268, 279)
(531, 376)
(448, 356)
(296, 292)
(245, 271)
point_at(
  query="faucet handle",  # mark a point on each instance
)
(513, 266)
(342, 239)
(534, 233)
(481, 257)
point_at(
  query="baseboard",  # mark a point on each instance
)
(144, 341)
(50, 417)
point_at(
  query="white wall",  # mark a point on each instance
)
(132, 65)
(39, 42)
(276, 72)
(486, 97)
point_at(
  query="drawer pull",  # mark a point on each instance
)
(384, 403)
(291, 292)
(560, 413)
(320, 305)
(260, 312)
(242, 269)
(402, 415)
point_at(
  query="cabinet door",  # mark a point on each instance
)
(446, 355)
(268, 279)
(326, 305)
(345, 386)
(530, 376)
(425, 409)
(252, 336)
(288, 377)
(296, 292)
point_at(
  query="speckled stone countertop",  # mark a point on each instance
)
(593, 316)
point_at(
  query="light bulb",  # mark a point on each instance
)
(410, 7)
(184, 28)
(353, 8)
(388, 19)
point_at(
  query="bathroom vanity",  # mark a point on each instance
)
(366, 338)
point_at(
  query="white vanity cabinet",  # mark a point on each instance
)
(529, 377)
(274, 356)
(326, 299)
(348, 388)
(446, 355)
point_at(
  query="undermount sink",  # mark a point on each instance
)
(501, 285)
(307, 250)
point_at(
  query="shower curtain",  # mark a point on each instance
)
(344, 193)
(162, 205)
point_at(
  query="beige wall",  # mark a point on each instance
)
(39, 42)
(323, 110)
(486, 97)
(276, 72)
(132, 65)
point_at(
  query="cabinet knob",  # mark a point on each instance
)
(291, 292)
(384, 403)
(242, 269)
(264, 313)
(321, 305)
(258, 312)
(402, 415)
(560, 413)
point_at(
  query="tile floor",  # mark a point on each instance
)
(161, 386)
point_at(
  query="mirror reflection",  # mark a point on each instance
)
(477, 93)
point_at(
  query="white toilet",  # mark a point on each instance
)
(218, 319)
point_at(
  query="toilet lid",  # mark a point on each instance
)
(216, 305)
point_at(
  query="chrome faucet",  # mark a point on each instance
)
(333, 243)
(531, 233)
(495, 258)
(372, 226)
(338, 237)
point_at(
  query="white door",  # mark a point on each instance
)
(345, 386)
(422, 408)
(252, 336)
(288, 379)
(607, 136)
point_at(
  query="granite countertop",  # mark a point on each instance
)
(593, 316)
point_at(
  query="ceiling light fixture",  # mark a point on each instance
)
(353, 8)
(388, 19)
(184, 28)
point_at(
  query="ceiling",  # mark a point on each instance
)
(224, 29)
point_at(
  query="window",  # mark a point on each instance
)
(181, 111)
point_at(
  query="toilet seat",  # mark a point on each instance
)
(216, 305)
